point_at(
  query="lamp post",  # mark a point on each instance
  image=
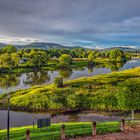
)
(8, 117)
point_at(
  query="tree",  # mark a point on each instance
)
(91, 57)
(37, 58)
(113, 54)
(119, 59)
(9, 60)
(21, 52)
(58, 81)
(117, 55)
(65, 60)
(6, 60)
(9, 49)
(16, 58)
(97, 54)
(129, 95)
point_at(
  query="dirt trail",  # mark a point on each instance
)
(113, 136)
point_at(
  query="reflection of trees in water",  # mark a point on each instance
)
(7, 81)
(90, 68)
(114, 66)
(37, 77)
(79, 68)
(65, 73)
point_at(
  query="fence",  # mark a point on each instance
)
(67, 130)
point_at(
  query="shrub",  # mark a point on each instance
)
(58, 81)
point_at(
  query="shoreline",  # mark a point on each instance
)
(61, 111)
(53, 67)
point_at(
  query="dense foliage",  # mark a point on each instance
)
(11, 58)
(115, 91)
(65, 60)
(58, 81)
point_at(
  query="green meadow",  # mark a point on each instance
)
(114, 91)
(53, 132)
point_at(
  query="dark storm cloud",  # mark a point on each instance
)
(100, 22)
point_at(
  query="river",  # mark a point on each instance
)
(14, 82)
(18, 119)
(26, 80)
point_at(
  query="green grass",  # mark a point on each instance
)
(53, 132)
(114, 91)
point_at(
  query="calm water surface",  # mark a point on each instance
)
(22, 81)
(24, 119)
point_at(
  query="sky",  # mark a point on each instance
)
(89, 23)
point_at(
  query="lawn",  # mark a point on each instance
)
(72, 129)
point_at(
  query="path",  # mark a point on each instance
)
(113, 136)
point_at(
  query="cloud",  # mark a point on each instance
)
(131, 47)
(94, 47)
(85, 22)
(17, 41)
(99, 47)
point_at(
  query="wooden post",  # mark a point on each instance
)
(63, 137)
(132, 112)
(122, 125)
(28, 134)
(33, 126)
(94, 129)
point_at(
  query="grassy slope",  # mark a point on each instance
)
(97, 92)
(53, 132)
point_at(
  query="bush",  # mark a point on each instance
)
(58, 81)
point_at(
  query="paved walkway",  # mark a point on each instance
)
(113, 136)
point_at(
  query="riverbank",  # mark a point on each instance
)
(53, 65)
(102, 92)
(53, 132)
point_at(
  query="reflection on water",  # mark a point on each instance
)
(36, 78)
(23, 118)
(7, 81)
(22, 81)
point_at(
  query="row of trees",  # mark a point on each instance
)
(87, 53)
(9, 60)
(115, 54)
(11, 57)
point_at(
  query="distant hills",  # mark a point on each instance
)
(44, 45)
(124, 49)
(2, 45)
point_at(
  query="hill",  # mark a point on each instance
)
(44, 45)
(124, 49)
(2, 45)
